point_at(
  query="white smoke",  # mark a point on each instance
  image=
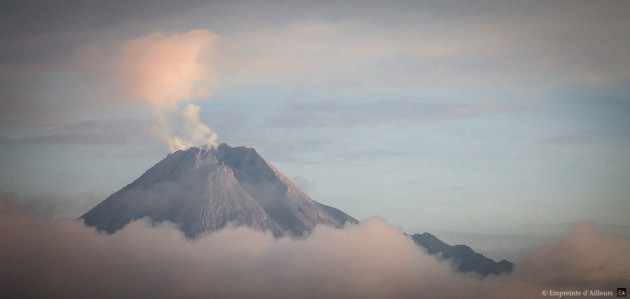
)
(184, 130)
(168, 72)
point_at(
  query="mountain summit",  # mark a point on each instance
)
(204, 189)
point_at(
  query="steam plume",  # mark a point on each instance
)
(168, 72)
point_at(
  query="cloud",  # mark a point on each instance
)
(430, 46)
(582, 258)
(369, 260)
(338, 113)
(165, 72)
(114, 131)
(571, 139)
(458, 46)
(166, 69)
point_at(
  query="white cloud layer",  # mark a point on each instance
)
(369, 260)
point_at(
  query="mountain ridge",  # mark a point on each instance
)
(203, 189)
(465, 259)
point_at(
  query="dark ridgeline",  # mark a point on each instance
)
(464, 257)
(204, 189)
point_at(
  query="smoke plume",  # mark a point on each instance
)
(66, 259)
(168, 72)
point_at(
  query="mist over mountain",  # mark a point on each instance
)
(205, 189)
(465, 259)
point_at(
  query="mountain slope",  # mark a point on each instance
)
(204, 189)
(464, 257)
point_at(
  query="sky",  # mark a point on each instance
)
(478, 117)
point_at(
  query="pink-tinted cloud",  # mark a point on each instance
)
(164, 72)
(166, 69)
(369, 260)
(582, 258)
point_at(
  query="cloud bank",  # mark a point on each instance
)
(369, 260)
(167, 72)
(581, 258)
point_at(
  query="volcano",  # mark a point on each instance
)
(204, 189)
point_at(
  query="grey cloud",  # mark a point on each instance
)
(282, 137)
(51, 206)
(571, 139)
(581, 258)
(334, 113)
(126, 132)
(475, 43)
(39, 18)
(513, 47)
(274, 142)
(361, 156)
(289, 147)
(21, 103)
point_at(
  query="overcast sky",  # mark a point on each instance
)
(481, 117)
